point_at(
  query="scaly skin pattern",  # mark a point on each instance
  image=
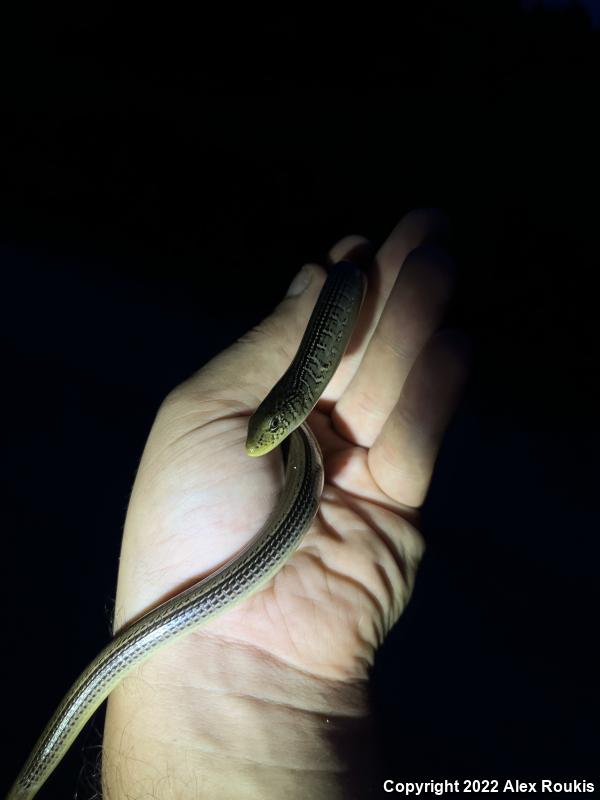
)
(326, 337)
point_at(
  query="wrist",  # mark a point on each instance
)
(209, 718)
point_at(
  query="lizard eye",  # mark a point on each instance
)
(274, 423)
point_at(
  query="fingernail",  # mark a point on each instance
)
(300, 282)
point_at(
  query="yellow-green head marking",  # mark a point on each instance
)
(268, 427)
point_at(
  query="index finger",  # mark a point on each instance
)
(414, 229)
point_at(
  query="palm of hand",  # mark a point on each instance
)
(332, 603)
(198, 498)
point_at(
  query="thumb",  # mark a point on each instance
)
(271, 344)
(302, 280)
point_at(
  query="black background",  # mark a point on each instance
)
(156, 168)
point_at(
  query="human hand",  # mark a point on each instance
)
(198, 498)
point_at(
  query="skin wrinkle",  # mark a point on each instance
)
(329, 686)
(346, 579)
(395, 347)
(397, 597)
(283, 620)
(335, 486)
(177, 407)
(220, 741)
(397, 550)
(253, 697)
(355, 582)
(214, 438)
(410, 473)
(404, 582)
(363, 401)
(347, 694)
